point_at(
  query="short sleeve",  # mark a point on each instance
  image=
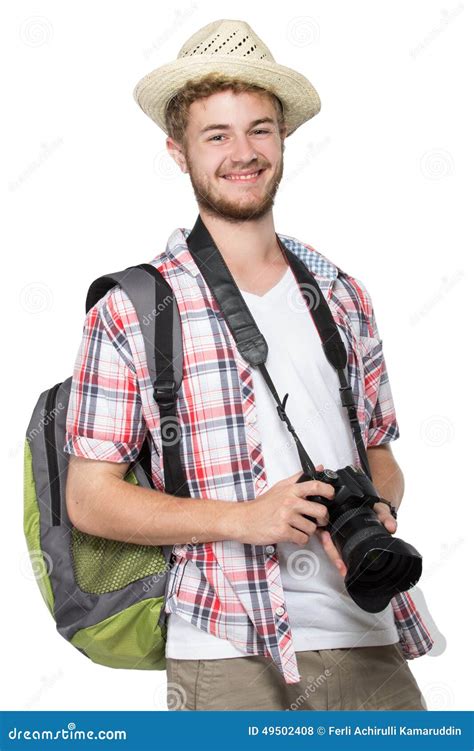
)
(104, 418)
(383, 426)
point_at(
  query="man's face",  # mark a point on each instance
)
(213, 155)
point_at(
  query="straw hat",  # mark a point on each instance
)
(232, 48)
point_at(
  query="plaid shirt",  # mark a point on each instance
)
(226, 588)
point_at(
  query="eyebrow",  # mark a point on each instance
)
(225, 126)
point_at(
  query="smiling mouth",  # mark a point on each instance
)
(243, 178)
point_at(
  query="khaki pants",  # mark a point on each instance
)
(356, 678)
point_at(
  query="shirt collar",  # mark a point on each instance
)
(178, 253)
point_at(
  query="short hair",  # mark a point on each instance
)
(177, 111)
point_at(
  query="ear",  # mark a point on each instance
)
(176, 151)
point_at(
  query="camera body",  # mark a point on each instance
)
(353, 490)
(378, 564)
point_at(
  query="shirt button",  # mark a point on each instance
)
(280, 611)
(260, 483)
(270, 549)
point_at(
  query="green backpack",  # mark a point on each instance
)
(107, 597)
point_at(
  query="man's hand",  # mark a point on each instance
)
(384, 516)
(278, 515)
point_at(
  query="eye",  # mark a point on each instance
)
(258, 130)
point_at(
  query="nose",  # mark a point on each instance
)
(243, 151)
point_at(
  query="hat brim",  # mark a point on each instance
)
(299, 97)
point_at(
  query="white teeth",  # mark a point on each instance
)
(244, 177)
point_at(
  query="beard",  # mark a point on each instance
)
(247, 204)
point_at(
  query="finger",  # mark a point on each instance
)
(297, 537)
(314, 487)
(315, 510)
(304, 525)
(385, 517)
(390, 524)
(331, 551)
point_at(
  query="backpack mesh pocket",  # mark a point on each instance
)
(102, 565)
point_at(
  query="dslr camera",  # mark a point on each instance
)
(378, 564)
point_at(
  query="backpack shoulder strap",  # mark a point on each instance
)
(157, 313)
(160, 325)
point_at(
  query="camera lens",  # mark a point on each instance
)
(377, 559)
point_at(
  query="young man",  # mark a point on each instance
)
(251, 624)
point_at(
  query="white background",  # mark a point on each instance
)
(379, 182)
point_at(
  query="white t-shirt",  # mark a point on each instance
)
(321, 614)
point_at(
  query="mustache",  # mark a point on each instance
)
(233, 171)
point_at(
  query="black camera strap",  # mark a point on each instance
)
(251, 342)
